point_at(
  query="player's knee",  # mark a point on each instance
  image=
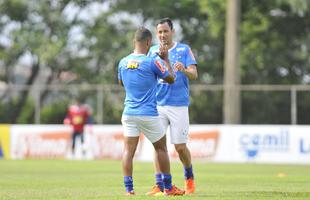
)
(128, 153)
(161, 148)
(180, 148)
(160, 145)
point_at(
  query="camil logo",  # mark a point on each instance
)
(252, 144)
(304, 146)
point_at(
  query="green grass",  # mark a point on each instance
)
(60, 179)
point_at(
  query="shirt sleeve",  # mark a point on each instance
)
(119, 74)
(159, 68)
(153, 52)
(190, 58)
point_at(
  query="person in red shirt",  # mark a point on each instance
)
(77, 116)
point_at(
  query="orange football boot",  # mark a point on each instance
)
(174, 191)
(130, 193)
(189, 186)
(155, 189)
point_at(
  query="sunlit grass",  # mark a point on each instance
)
(61, 179)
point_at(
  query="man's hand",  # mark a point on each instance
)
(178, 66)
(163, 51)
(190, 71)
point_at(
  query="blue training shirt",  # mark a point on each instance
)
(176, 94)
(139, 75)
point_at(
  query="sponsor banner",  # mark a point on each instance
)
(304, 146)
(107, 141)
(203, 142)
(54, 141)
(270, 144)
(39, 141)
(218, 143)
(261, 143)
(4, 141)
(300, 143)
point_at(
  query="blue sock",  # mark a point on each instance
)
(167, 181)
(159, 181)
(188, 172)
(128, 182)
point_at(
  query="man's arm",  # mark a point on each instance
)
(190, 71)
(170, 78)
(163, 54)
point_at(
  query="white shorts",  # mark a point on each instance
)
(150, 126)
(178, 119)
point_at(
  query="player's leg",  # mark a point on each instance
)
(82, 138)
(153, 130)
(159, 184)
(130, 145)
(82, 143)
(164, 166)
(179, 130)
(184, 154)
(131, 139)
(161, 155)
(73, 142)
(185, 157)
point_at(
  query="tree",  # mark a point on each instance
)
(275, 48)
(39, 36)
(81, 42)
(56, 40)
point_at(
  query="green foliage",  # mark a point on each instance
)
(274, 39)
(206, 107)
(274, 35)
(25, 116)
(6, 110)
(15, 9)
(54, 113)
(266, 108)
(113, 107)
(303, 107)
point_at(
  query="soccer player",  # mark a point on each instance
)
(173, 100)
(138, 74)
(77, 116)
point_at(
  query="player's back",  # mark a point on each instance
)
(139, 81)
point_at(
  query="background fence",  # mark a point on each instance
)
(107, 101)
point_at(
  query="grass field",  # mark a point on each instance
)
(60, 179)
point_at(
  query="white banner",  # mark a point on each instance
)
(219, 143)
(264, 144)
(39, 141)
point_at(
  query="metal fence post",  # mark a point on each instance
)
(37, 115)
(293, 105)
(100, 104)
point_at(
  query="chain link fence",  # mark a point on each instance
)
(261, 104)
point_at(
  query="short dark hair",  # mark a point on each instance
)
(142, 34)
(165, 20)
